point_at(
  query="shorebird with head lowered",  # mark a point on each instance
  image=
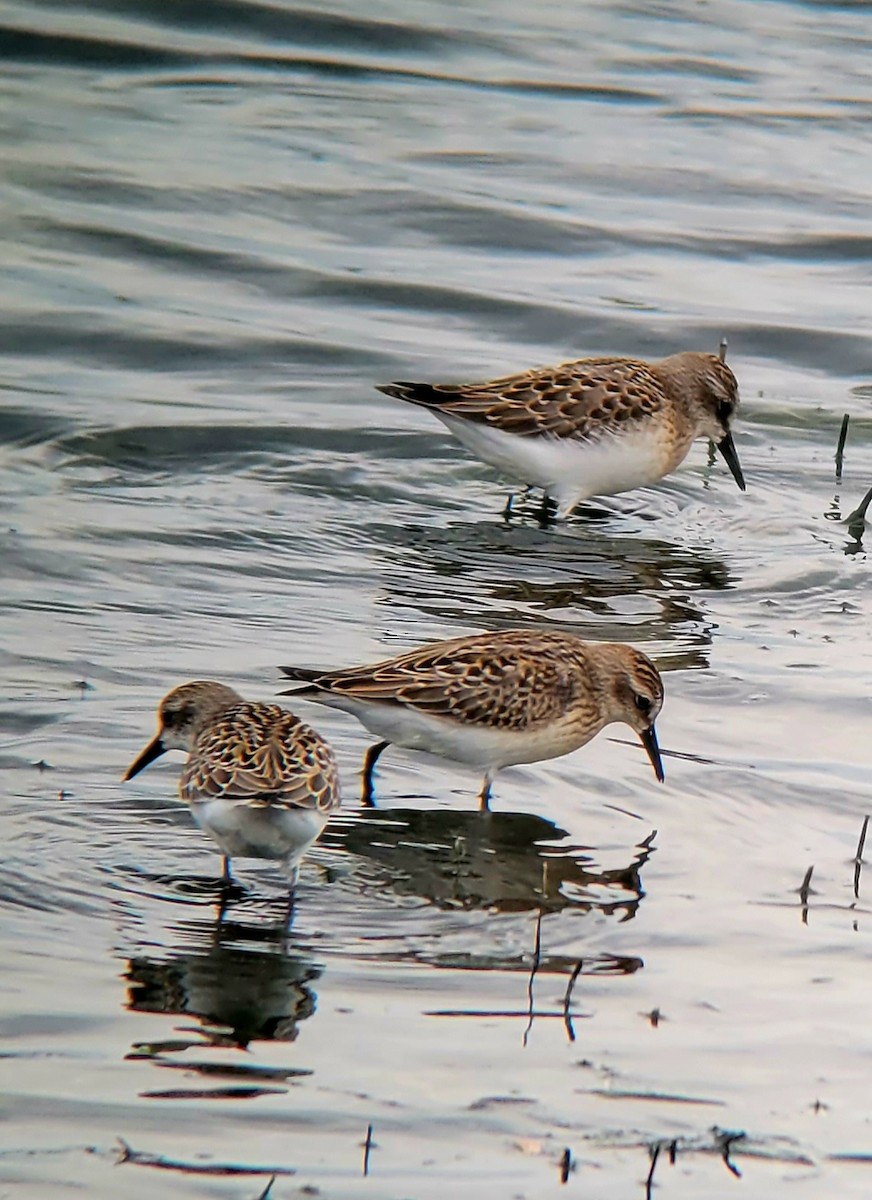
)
(494, 700)
(257, 779)
(594, 427)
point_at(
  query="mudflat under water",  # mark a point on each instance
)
(222, 224)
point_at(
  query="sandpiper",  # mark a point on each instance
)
(593, 427)
(257, 779)
(492, 700)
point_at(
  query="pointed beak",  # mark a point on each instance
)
(649, 741)
(727, 448)
(153, 750)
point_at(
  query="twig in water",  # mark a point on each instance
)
(856, 521)
(654, 1151)
(264, 1195)
(805, 892)
(537, 954)
(724, 1141)
(565, 1165)
(840, 449)
(567, 1000)
(722, 350)
(142, 1158)
(367, 1147)
(858, 858)
(673, 1151)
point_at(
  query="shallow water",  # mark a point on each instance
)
(222, 225)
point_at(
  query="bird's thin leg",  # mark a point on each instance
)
(512, 497)
(226, 888)
(547, 511)
(485, 794)
(290, 908)
(370, 759)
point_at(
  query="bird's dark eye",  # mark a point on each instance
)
(175, 718)
(643, 703)
(725, 413)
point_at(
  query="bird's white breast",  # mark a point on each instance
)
(477, 745)
(570, 469)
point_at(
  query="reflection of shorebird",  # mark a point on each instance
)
(255, 995)
(493, 700)
(502, 862)
(257, 779)
(592, 427)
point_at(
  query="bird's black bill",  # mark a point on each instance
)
(649, 741)
(727, 448)
(153, 750)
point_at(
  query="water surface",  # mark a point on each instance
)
(222, 225)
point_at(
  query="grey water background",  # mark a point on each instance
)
(221, 225)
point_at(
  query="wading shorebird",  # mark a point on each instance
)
(493, 700)
(593, 427)
(257, 780)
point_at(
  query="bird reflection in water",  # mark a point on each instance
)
(505, 862)
(239, 995)
(480, 574)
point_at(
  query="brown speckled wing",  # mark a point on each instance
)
(262, 754)
(511, 680)
(576, 400)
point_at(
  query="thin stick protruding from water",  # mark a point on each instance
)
(805, 892)
(367, 1147)
(537, 955)
(722, 350)
(856, 521)
(840, 449)
(858, 858)
(567, 1000)
(654, 1151)
(724, 1140)
(565, 1165)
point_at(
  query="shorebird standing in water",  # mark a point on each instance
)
(593, 427)
(493, 700)
(258, 780)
